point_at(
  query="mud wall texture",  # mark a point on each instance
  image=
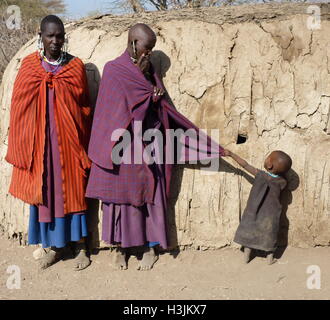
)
(254, 71)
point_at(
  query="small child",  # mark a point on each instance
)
(259, 226)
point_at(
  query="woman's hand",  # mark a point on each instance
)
(158, 91)
(143, 63)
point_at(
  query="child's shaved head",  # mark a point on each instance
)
(285, 162)
(278, 162)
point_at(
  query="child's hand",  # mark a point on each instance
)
(227, 153)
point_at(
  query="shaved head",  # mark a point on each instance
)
(141, 41)
(278, 162)
(141, 31)
(51, 19)
(284, 161)
(52, 35)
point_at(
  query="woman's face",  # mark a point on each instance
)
(53, 39)
(144, 46)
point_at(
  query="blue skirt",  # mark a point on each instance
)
(58, 232)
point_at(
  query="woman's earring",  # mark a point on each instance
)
(134, 52)
(65, 47)
(40, 44)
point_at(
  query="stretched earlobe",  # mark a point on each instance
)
(40, 44)
(65, 46)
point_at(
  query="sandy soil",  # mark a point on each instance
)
(219, 274)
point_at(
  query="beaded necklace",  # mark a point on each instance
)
(273, 175)
(56, 63)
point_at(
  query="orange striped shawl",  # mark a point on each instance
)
(28, 124)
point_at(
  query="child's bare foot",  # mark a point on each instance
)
(118, 259)
(270, 258)
(49, 258)
(247, 254)
(148, 260)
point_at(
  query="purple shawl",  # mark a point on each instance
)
(125, 95)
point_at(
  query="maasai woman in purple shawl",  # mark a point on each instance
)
(134, 193)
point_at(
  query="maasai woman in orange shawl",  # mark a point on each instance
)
(48, 135)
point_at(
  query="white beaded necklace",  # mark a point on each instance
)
(53, 63)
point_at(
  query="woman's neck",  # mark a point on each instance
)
(51, 57)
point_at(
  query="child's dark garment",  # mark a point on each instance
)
(259, 226)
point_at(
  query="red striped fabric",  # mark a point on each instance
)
(27, 127)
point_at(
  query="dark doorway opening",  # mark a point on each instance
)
(241, 139)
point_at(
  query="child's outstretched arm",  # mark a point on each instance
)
(243, 163)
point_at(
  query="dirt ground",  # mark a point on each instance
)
(189, 274)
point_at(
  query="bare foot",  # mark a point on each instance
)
(148, 260)
(48, 259)
(247, 254)
(270, 258)
(39, 253)
(118, 259)
(81, 260)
